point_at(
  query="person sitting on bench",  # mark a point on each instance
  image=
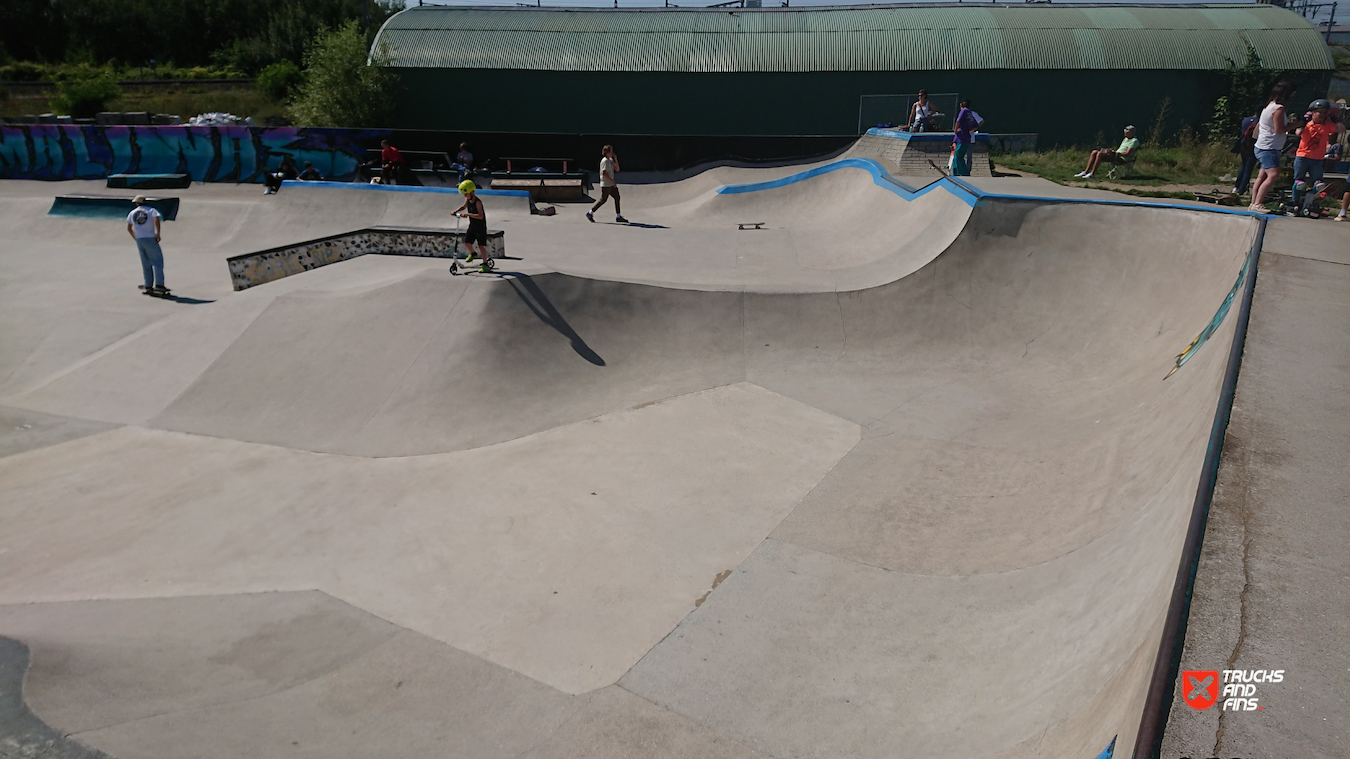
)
(1120, 156)
(391, 163)
(310, 174)
(285, 171)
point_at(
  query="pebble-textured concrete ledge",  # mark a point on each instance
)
(264, 266)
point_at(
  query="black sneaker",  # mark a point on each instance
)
(620, 220)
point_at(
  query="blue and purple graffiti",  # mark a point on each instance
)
(207, 154)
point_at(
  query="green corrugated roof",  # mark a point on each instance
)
(876, 38)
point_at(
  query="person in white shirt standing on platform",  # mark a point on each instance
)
(143, 224)
(609, 166)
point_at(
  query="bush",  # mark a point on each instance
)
(82, 98)
(340, 89)
(21, 72)
(278, 80)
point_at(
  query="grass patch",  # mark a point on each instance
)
(1194, 164)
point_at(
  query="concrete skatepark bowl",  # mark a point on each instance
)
(897, 475)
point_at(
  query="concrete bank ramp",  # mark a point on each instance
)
(937, 513)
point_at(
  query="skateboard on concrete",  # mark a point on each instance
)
(1218, 198)
(162, 293)
(749, 225)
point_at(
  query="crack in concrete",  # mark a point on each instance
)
(1245, 511)
(842, 327)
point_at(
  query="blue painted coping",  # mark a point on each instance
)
(402, 188)
(968, 193)
(879, 174)
(923, 136)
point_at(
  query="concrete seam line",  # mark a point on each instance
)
(321, 674)
(1158, 703)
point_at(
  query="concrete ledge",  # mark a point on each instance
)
(261, 267)
(150, 181)
(908, 154)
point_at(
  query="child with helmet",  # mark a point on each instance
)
(472, 209)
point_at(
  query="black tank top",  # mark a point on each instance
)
(472, 206)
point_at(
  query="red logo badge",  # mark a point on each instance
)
(1200, 687)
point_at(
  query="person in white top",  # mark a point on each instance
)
(609, 187)
(143, 224)
(1270, 133)
(920, 113)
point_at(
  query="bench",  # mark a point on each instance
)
(546, 187)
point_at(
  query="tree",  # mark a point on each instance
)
(1248, 87)
(279, 80)
(340, 88)
(243, 35)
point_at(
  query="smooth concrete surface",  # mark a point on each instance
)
(887, 478)
(1273, 588)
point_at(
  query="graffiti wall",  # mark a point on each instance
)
(264, 266)
(207, 154)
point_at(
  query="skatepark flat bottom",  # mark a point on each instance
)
(891, 477)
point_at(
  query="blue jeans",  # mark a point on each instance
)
(152, 261)
(1244, 177)
(1310, 166)
(961, 165)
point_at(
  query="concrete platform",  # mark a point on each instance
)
(898, 475)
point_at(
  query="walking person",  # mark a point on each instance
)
(967, 123)
(143, 224)
(1270, 132)
(472, 209)
(609, 187)
(920, 114)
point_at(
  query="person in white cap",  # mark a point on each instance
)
(143, 224)
(1106, 155)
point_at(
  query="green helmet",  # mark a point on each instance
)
(467, 186)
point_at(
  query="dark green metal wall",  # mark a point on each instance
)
(1065, 107)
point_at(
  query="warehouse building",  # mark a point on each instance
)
(1065, 72)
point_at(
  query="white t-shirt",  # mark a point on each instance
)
(607, 167)
(142, 221)
(1266, 136)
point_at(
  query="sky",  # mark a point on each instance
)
(1316, 15)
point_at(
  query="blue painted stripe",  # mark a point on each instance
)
(402, 188)
(968, 193)
(880, 177)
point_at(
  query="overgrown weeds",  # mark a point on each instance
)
(1190, 163)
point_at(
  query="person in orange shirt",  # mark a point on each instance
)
(1312, 151)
